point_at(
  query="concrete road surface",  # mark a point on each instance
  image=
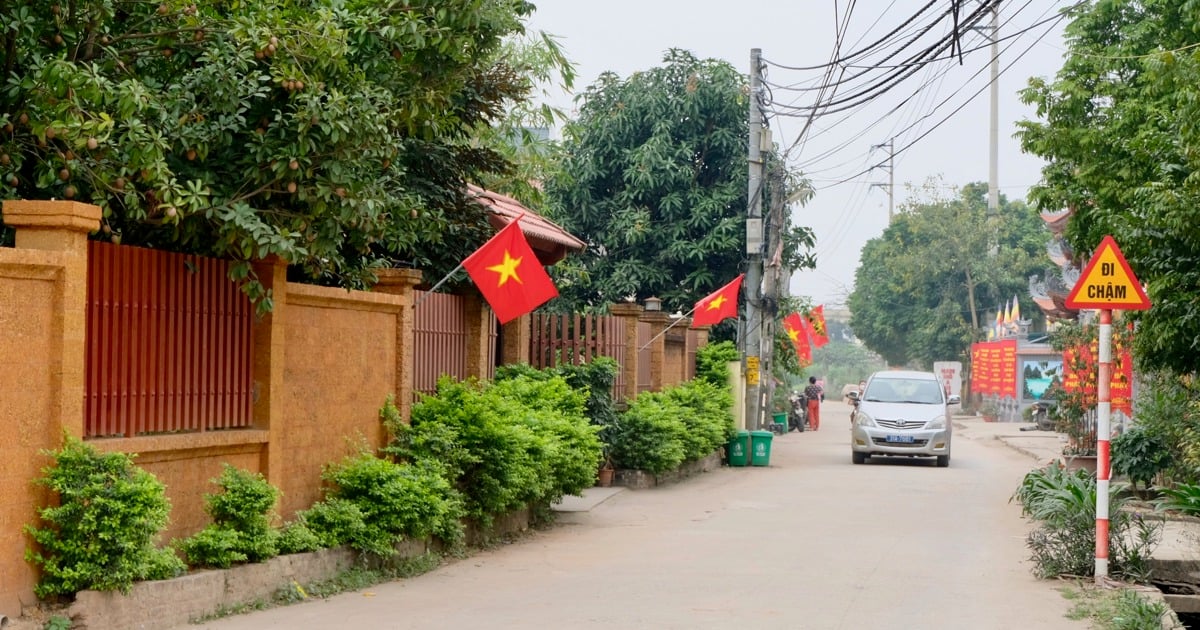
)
(810, 542)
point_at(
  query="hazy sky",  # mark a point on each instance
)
(625, 36)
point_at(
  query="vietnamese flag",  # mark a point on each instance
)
(819, 335)
(509, 275)
(794, 326)
(719, 305)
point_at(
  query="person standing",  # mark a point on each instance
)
(813, 394)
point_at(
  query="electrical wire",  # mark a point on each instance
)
(951, 114)
(848, 219)
(840, 61)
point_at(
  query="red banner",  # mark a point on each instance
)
(994, 368)
(1080, 373)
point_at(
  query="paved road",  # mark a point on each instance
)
(810, 542)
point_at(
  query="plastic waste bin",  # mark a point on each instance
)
(738, 449)
(760, 448)
(781, 420)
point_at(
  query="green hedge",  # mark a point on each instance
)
(661, 430)
(504, 445)
(374, 503)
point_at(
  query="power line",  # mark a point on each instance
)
(858, 53)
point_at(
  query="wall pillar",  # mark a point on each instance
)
(515, 337)
(401, 282)
(629, 314)
(268, 361)
(43, 302)
(62, 226)
(477, 318)
(699, 340)
(658, 321)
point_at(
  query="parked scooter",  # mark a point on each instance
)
(798, 416)
(1041, 418)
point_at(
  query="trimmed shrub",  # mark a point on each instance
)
(241, 529)
(335, 522)
(712, 363)
(393, 502)
(100, 535)
(296, 537)
(707, 414)
(505, 445)
(651, 435)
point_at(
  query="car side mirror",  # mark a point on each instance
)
(853, 396)
(953, 400)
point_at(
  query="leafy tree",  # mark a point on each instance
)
(337, 135)
(923, 289)
(653, 178)
(1118, 130)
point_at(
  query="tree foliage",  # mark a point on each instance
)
(337, 135)
(653, 178)
(925, 287)
(1118, 130)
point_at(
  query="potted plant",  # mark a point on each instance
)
(989, 410)
(604, 477)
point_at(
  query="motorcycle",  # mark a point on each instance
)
(1041, 418)
(798, 416)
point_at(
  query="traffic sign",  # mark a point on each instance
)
(1108, 283)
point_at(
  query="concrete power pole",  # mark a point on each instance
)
(772, 278)
(752, 337)
(993, 208)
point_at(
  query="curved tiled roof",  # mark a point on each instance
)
(549, 240)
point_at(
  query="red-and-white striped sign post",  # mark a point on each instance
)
(1106, 283)
(1103, 431)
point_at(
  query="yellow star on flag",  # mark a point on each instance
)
(716, 303)
(792, 333)
(507, 269)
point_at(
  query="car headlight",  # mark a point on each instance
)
(937, 423)
(863, 419)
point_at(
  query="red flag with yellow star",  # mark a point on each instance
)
(509, 275)
(817, 316)
(718, 305)
(794, 326)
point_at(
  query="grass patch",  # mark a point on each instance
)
(1120, 609)
(229, 611)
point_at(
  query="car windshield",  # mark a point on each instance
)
(903, 390)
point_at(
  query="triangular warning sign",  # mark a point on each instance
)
(1108, 283)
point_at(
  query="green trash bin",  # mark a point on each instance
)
(760, 448)
(781, 420)
(738, 449)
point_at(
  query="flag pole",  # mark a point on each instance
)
(435, 287)
(664, 331)
(454, 271)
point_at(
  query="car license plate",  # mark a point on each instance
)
(903, 439)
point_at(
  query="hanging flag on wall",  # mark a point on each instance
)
(508, 274)
(718, 305)
(794, 326)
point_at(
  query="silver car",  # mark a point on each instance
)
(901, 413)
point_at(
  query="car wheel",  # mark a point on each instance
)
(858, 458)
(943, 461)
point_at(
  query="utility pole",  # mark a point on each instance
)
(772, 277)
(994, 125)
(891, 171)
(752, 339)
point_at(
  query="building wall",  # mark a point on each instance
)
(325, 360)
(339, 367)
